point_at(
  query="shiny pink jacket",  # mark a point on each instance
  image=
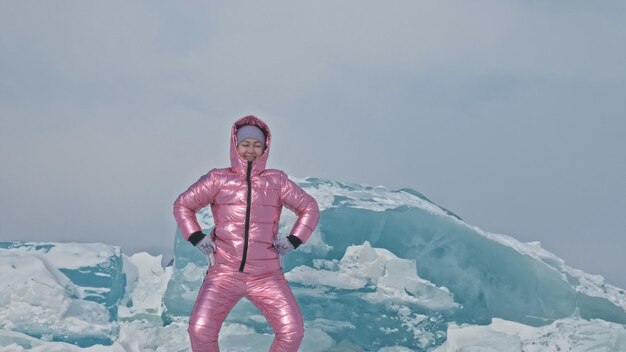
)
(246, 201)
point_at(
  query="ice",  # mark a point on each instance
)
(40, 300)
(488, 274)
(187, 273)
(377, 276)
(385, 271)
(95, 268)
(415, 262)
(570, 334)
(146, 284)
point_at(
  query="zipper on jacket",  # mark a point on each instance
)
(247, 225)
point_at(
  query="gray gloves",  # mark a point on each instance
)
(208, 247)
(204, 243)
(283, 245)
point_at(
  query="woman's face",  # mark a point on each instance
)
(250, 149)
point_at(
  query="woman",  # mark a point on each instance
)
(243, 249)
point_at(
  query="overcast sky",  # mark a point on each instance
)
(509, 113)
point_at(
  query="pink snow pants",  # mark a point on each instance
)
(269, 292)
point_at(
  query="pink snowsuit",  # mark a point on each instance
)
(246, 201)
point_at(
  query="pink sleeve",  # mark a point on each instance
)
(305, 207)
(196, 197)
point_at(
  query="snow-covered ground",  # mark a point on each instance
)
(386, 271)
(36, 294)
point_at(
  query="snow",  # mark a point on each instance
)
(385, 271)
(70, 255)
(146, 284)
(571, 334)
(37, 298)
(394, 279)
